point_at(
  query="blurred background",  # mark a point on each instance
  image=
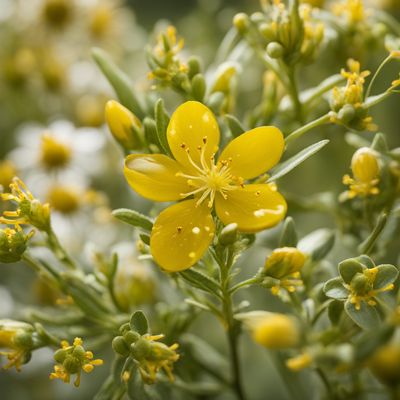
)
(52, 98)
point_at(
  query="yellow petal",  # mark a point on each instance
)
(181, 234)
(189, 125)
(154, 177)
(253, 208)
(254, 152)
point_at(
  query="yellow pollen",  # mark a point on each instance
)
(209, 178)
(53, 153)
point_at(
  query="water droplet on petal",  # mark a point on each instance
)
(196, 230)
(192, 254)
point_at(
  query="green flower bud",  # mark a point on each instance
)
(141, 349)
(23, 340)
(71, 364)
(346, 113)
(131, 337)
(194, 67)
(198, 87)
(275, 50)
(241, 22)
(60, 355)
(120, 346)
(228, 234)
(360, 283)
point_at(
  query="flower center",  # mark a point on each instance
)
(209, 178)
(53, 153)
(64, 199)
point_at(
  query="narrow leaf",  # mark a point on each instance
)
(234, 125)
(200, 280)
(162, 121)
(138, 323)
(119, 81)
(288, 165)
(133, 218)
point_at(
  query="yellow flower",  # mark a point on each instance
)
(385, 363)
(54, 154)
(30, 211)
(365, 168)
(182, 233)
(71, 360)
(300, 362)
(352, 10)
(276, 331)
(16, 337)
(64, 199)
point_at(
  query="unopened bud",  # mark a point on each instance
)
(275, 50)
(284, 261)
(364, 165)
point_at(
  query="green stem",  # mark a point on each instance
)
(231, 325)
(294, 94)
(327, 384)
(58, 250)
(377, 72)
(247, 282)
(302, 130)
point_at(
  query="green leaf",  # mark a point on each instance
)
(335, 310)
(150, 131)
(200, 280)
(348, 268)
(138, 323)
(355, 140)
(318, 243)
(334, 288)
(198, 87)
(234, 125)
(119, 81)
(379, 143)
(386, 275)
(366, 317)
(289, 234)
(162, 121)
(366, 261)
(133, 218)
(285, 167)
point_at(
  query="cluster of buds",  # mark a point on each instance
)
(149, 355)
(287, 33)
(125, 127)
(18, 338)
(366, 171)
(13, 243)
(347, 103)
(72, 360)
(282, 270)
(166, 67)
(30, 211)
(359, 284)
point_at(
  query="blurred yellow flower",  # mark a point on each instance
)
(54, 154)
(193, 137)
(7, 173)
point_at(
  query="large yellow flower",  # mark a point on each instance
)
(183, 232)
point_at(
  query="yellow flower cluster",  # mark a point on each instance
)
(71, 360)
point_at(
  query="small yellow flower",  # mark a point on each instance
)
(101, 18)
(30, 211)
(7, 173)
(352, 10)
(182, 233)
(365, 168)
(64, 199)
(71, 360)
(276, 331)
(16, 337)
(54, 154)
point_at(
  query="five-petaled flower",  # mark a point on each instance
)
(182, 233)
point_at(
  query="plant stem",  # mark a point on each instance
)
(302, 130)
(231, 325)
(58, 250)
(379, 69)
(245, 283)
(294, 94)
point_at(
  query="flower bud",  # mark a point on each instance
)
(284, 261)
(276, 331)
(228, 234)
(120, 346)
(275, 50)
(12, 244)
(124, 125)
(364, 165)
(346, 113)
(241, 22)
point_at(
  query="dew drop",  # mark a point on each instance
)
(196, 230)
(192, 254)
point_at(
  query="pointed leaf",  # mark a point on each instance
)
(285, 167)
(133, 218)
(234, 125)
(119, 81)
(317, 244)
(289, 234)
(162, 121)
(200, 280)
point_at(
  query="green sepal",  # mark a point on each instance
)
(367, 317)
(348, 268)
(334, 289)
(133, 218)
(138, 323)
(386, 275)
